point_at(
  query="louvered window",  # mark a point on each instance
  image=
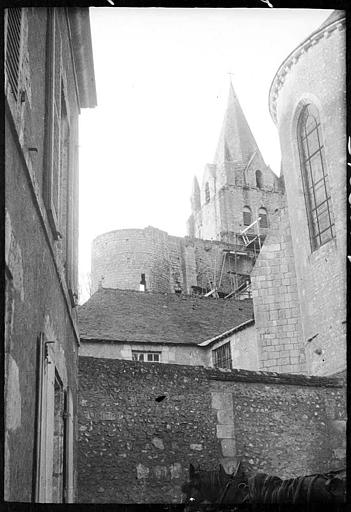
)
(315, 178)
(13, 48)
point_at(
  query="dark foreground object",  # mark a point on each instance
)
(218, 488)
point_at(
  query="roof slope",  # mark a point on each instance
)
(132, 316)
(236, 141)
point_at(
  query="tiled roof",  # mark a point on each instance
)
(132, 316)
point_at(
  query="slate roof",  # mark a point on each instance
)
(236, 141)
(132, 316)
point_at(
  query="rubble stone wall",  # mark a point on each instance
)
(142, 424)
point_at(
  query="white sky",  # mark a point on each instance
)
(162, 85)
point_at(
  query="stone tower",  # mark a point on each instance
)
(237, 187)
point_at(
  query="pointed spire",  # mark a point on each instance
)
(195, 195)
(236, 141)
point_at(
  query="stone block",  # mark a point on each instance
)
(228, 447)
(196, 447)
(222, 400)
(225, 416)
(225, 431)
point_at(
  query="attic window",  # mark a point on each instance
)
(146, 357)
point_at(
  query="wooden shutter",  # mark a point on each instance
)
(38, 419)
(13, 48)
(53, 149)
(68, 448)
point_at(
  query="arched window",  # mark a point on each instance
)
(315, 178)
(262, 213)
(259, 179)
(207, 192)
(247, 216)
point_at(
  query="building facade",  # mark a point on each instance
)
(300, 306)
(49, 77)
(168, 328)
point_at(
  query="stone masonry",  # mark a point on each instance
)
(314, 74)
(276, 304)
(169, 263)
(142, 424)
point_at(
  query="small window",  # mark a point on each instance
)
(207, 193)
(13, 48)
(259, 179)
(262, 213)
(222, 357)
(247, 217)
(315, 178)
(143, 356)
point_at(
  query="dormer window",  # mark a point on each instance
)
(207, 192)
(247, 217)
(259, 179)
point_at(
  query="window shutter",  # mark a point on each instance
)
(53, 152)
(68, 448)
(38, 418)
(13, 48)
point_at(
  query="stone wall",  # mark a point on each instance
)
(315, 74)
(142, 424)
(169, 263)
(276, 305)
(41, 268)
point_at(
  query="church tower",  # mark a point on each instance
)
(238, 187)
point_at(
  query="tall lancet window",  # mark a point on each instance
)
(207, 192)
(315, 178)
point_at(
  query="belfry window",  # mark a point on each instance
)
(247, 217)
(315, 178)
(262, 213)
(207, 192)
(259, 180)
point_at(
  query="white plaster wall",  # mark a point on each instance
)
(173, 354)
(243, 345)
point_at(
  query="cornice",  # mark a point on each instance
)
(293, 58)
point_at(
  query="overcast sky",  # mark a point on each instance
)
(162, 78)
